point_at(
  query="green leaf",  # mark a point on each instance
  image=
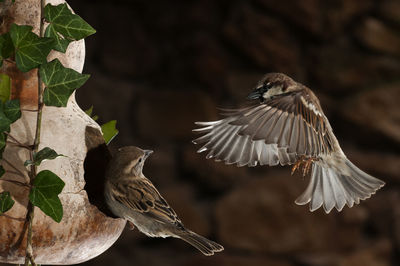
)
(44, 194)
(109, 131)
(44, 154)
(30, 49)
(5, 87)
(5, 122)
(6, 202)
(50, 206)
(48, 183)
(2, 171)
(60, 82)
(60, 43)
(71, 26)
(89, 113)
(6, 47)
(12, 110)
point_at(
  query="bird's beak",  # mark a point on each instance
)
(255, 94)
(147, 153)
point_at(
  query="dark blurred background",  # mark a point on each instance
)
(159, 66)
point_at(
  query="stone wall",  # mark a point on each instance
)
(158, 66)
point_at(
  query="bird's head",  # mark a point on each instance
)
(271, 85)
(129, 160)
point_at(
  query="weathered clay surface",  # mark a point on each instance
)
(84, 231)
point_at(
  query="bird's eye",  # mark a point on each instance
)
(140, 160)
(267, 86)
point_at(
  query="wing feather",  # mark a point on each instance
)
(141, 196)
(284, 136)
(280, 130)
(284, 129)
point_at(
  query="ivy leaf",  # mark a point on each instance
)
(44, 154)
(6, 47)
(60, 82)
(44, 194)
(48, 183)
(6, 202)
(60, 43)
(5, 87)
(109, 131)
(50, 206)
(5, 122)
(12, 110)
(30, 49)
(2, 171)
(71, 26)
(89, 112)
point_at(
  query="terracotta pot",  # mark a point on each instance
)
(84, 231)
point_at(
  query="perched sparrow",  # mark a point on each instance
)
(130, 195)
(287, 126)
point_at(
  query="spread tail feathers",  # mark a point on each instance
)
(207, 247)
(330, 187)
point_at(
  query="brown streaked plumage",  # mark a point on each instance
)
(130, 195)
(288, 126)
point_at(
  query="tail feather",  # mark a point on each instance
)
(332, 188)
(206, 246)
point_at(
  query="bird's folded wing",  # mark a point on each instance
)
(280, 130)
(141, 196)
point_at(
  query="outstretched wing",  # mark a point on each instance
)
(280, 130)
(141, 196)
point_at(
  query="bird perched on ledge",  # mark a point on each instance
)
(287, 126)
(130, 195)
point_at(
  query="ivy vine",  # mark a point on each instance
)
(27, 50)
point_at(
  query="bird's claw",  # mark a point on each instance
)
(307, 163)
(295, 166)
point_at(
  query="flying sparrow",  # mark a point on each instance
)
(287, 126)
(130, 195)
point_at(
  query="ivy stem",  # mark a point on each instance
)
(15, 173)
(9, 61)
(18, 145)
(17, 142)
(36, 142)
(16, 182)
(13, 167)
(12, 218)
